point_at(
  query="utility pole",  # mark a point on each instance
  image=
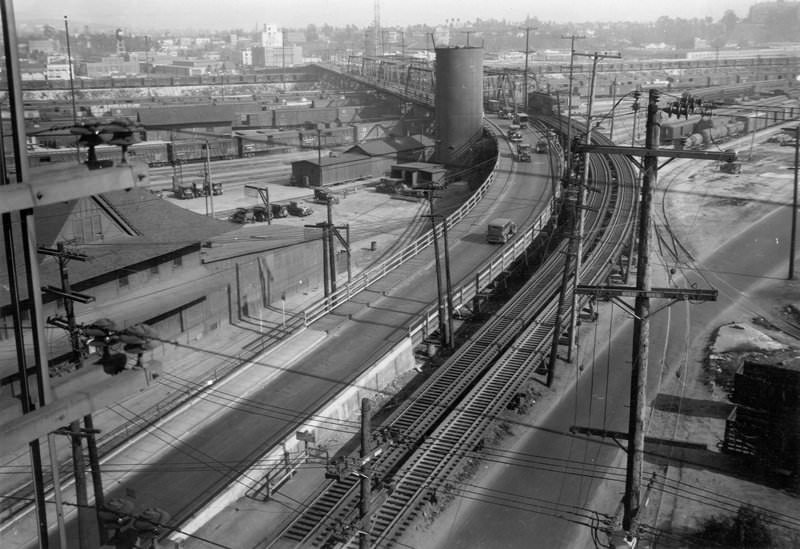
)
(75, 432)
(209, 182)
(448, 282)
(449, 285)
(632, 243)
(365, 474)
(571, 38)
(581, 200)
(569, 200)
(71, 77)
(642, 293)
(319, 153)
(575, 199)
(329, 232)
(444, 336)
(283, 59)
(72, 86)
(331, 249)
(613, 102)
(527, 51)
(326, 277)
(793, 236)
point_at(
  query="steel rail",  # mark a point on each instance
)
(420, 420)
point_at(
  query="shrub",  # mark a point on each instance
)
(746, 530)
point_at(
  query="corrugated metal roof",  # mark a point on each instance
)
(391, 145)
(193, 115)
(421, 166)
(151, 227)
(344, 158)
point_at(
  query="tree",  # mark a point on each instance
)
(729, 22)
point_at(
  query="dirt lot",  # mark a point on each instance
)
(706, 208)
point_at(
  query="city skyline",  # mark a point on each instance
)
(251, 14)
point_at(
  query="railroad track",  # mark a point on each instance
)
(446, 419)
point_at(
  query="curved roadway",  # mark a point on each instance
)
(359, 333)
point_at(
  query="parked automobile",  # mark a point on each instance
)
(242, 216)
(390, 185)
(321, 194)
(278, 210)
(298, 209)
(200, 189)
(184, 191)
(260, 214)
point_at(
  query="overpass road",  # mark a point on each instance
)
(186, 465)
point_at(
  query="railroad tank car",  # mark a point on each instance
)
(713, 135)
(674, 130)
(694, 141)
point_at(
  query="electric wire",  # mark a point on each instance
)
(92, 507)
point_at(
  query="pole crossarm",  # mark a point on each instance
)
(620, 435)
(66, 254)
(598, 55)
(72, 296)
(726, 156)
(665, 293)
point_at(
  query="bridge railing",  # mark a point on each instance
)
(486, 273)
(373, 274)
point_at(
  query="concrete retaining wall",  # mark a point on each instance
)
(346, 408)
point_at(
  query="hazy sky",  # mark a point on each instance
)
(245, 14)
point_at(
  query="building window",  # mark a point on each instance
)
(177, 261)
(123, 281)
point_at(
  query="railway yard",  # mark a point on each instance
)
(255, 426)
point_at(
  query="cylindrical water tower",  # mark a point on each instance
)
(458, 100)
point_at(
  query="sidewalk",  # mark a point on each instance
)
(193, 365)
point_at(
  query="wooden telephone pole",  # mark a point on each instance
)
(576, 195)
(365, 511)
(642, 293)
(527, 53)
(330, 233)
(581, 201)
(75, 432)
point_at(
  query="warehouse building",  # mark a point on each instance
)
(338, 169)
